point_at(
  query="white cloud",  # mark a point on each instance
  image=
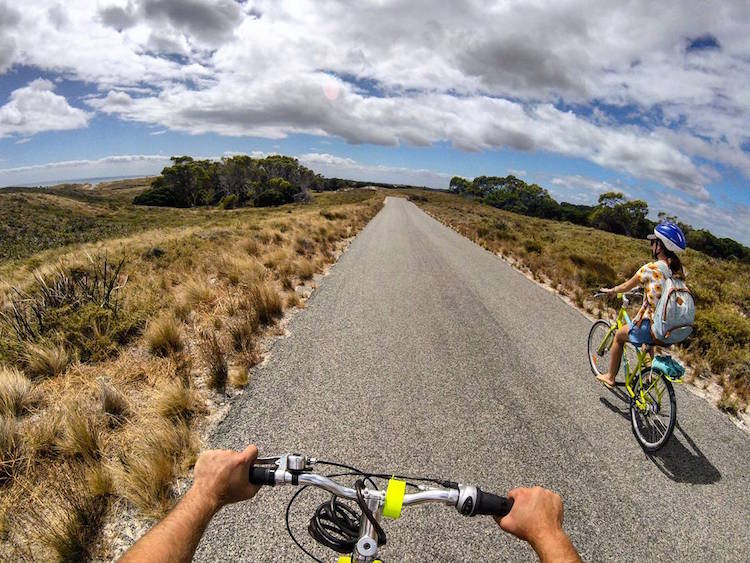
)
(480, 75)
(580, 189)
(333, 166)
(9, 20)
(35, 108)
(734, 223)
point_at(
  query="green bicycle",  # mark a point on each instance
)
(653, 407)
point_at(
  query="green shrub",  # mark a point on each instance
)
(532, 247)
(229, 201)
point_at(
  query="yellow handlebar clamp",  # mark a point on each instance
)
(394, 498)
(348, 559)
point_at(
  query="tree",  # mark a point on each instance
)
(190, 183)
(458, 185)
(616, 215)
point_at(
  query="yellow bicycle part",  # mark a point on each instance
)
(394, 498)
(348, 559)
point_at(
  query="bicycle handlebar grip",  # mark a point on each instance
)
(492, 505)
(262, 476)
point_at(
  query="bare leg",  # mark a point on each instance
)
(615, 356)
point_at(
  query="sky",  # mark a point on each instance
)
(647, 98)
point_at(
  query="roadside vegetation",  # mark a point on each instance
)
(613, 213)
(118, 338)
(576, 260)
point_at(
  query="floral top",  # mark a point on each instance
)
(651, 278)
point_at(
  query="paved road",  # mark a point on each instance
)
(423, 353)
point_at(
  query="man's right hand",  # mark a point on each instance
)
(537, 517)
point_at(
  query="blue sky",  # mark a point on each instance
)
(576, 97)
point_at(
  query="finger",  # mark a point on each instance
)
(250, 454)
(513, 493)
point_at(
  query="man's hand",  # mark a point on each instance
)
(537, 513)
(537, 517)
(607, 290)
(223, 477)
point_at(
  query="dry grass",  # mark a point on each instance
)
(67, 523)
(163, 335)
(46, 360)
(293, 300)
(12, 452)
(194, 293)
(115, 415)
(216, 363)
(82, 434)
(177, 402)
(114, 404)
(16, 392)
(239, 376)
(146, 471)
(252, 247)
(42, 435)
(243, 330)
(305, 269)
(267, 302)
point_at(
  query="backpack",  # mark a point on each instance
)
(675, 312)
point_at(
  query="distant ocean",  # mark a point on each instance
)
(93, 181)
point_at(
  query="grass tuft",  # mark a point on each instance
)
(164, 336)
(46, 360)
(216, 363)
(81, 435)
(243, 330)
(42, 436)
(16, 392)
(239, 376)
(305, 269)
(192, 295)
(12, 454)
(177, 402)
(145, 473)
(114, 404)
(267, 302)
(68, 524)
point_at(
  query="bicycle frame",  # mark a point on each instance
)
(643, 359)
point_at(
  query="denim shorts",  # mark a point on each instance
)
(639, 335)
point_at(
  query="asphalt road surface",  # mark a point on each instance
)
(423, 354)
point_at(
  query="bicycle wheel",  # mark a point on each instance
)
(653, 421)
(599, 361)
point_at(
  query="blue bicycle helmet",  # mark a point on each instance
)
(670, 235)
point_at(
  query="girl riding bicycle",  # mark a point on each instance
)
(666, 242)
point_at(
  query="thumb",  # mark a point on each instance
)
(250, 454)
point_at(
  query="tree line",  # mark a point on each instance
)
(231, 182)
(613, 212)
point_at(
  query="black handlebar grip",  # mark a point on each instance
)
(493, 505)
(262, 476)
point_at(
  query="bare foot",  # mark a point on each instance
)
(605, 379)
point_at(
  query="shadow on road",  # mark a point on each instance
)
(681, 462)
(685, 464)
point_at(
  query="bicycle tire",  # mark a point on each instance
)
(654, 427)
(597, 333)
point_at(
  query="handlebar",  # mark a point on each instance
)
(621, 295)
(295, 469)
